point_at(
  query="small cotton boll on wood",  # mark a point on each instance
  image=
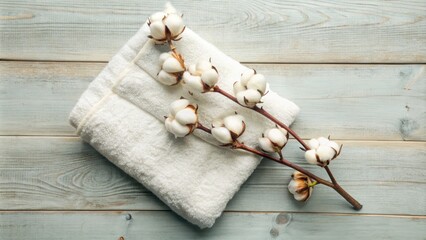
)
(210, 77)
(245, 77)
(300, 186)
(179, 130)
(222, 134)
(167, 78)
(257, 82)
(158, 30)
(186, 116)
(172, 65)
(266, 145)
(311, 157)
(299, 189)
(192, 83)
(178, 105)
(174, 23)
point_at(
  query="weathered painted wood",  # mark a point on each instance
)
(66, 174)
(232, 225)
(376, 102)
(250, 31)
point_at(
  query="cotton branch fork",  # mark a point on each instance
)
(333, 184)
(239, 145)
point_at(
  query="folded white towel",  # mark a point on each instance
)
(121, 116)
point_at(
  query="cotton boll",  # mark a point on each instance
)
(245, 77)
(186, 116)
(235, 124)
(203, 65)
(313, 143)
(167, 78)
(158, 16)
(325, 153)
(238, 87)
(249, 97)
(172, 65)
(174, 23)
(168, 123)
(163, 57)
(192, 83)
(277, 137)
(300, 186)
(178, 105)
(323, 141)
(179, 130)
(252, 96)
(293, 186)
(240, 98)
(257, 82)
(301, 196)
(335, 146)
(222, 134)
(266, 145)
(311, 157)
(192, 69)
(158, 30)
(210, 77)
(300, 190)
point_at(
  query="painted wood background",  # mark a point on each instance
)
(356, 68)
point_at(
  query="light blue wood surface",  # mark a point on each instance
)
(356, 69)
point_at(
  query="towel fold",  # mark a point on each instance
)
(121, 116)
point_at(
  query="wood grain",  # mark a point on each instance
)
(374, 102)
(250, 31)
(166, 225)
(66, 174)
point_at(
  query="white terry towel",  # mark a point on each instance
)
(121, 116)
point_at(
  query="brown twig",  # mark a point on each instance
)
(330, 174)
(205, 129)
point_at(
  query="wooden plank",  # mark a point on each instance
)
(270, 31)
(375, 102)
(232, 225)
(67, 174)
